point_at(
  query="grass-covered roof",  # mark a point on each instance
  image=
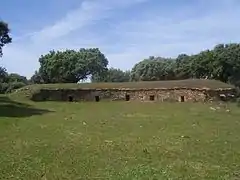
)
(189, 83)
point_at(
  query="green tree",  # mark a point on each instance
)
(227, 63)
(14, 77)
(13, 86)
(10, 82)
(154, 69)
(202, 64)
(113, 75)
(72, 66)
(4, 39)
(221, 63)
(4, 36)
(36, 78)
(3, 75)
(183, 67)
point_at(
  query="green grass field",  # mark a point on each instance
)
(118, 140)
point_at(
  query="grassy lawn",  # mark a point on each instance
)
(118, 140)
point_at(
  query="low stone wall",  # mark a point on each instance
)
(173, 95)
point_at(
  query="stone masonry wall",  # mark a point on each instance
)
(189, 95)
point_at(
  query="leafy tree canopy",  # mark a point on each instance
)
(3, 74)
(10, 82)
(71, 66)
(4, 36)
(221, 63)
(36, 78)
(14, 77)
(113, 75)
(153, 69)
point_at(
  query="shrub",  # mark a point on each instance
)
(3, 87)
(14, 85)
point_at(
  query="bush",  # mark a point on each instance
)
(14, 85)
(3, 87)
(9, 87)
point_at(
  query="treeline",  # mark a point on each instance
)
(221, 63)
(71, 66)
(10, 82)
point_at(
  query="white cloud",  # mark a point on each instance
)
(89, 12)
(171, 35)
(128, 40)
(21, 56)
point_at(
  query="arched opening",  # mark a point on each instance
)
(97, 98)
(152, 98)
(127, 97)
(70, 98)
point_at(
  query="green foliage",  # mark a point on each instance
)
(3, 80)
(183, 67)
(36, 78)
(4, 36)
(153, 69)
(14, 85)
(202, 65)
(3, 87)
(10, 82)
(113, 75)
(3, 74)
(14, 77)
(9, 87)
(72, 66)
(221, 63)
(4, 39)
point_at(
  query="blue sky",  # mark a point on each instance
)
(126, 31)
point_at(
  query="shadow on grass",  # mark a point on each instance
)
(10, 108)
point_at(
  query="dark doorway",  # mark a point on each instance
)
(182, 99)
(97, 98)
(127, 97)
(152, 98)
(222, 97)
(70, 98)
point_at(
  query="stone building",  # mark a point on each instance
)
(194, 90)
